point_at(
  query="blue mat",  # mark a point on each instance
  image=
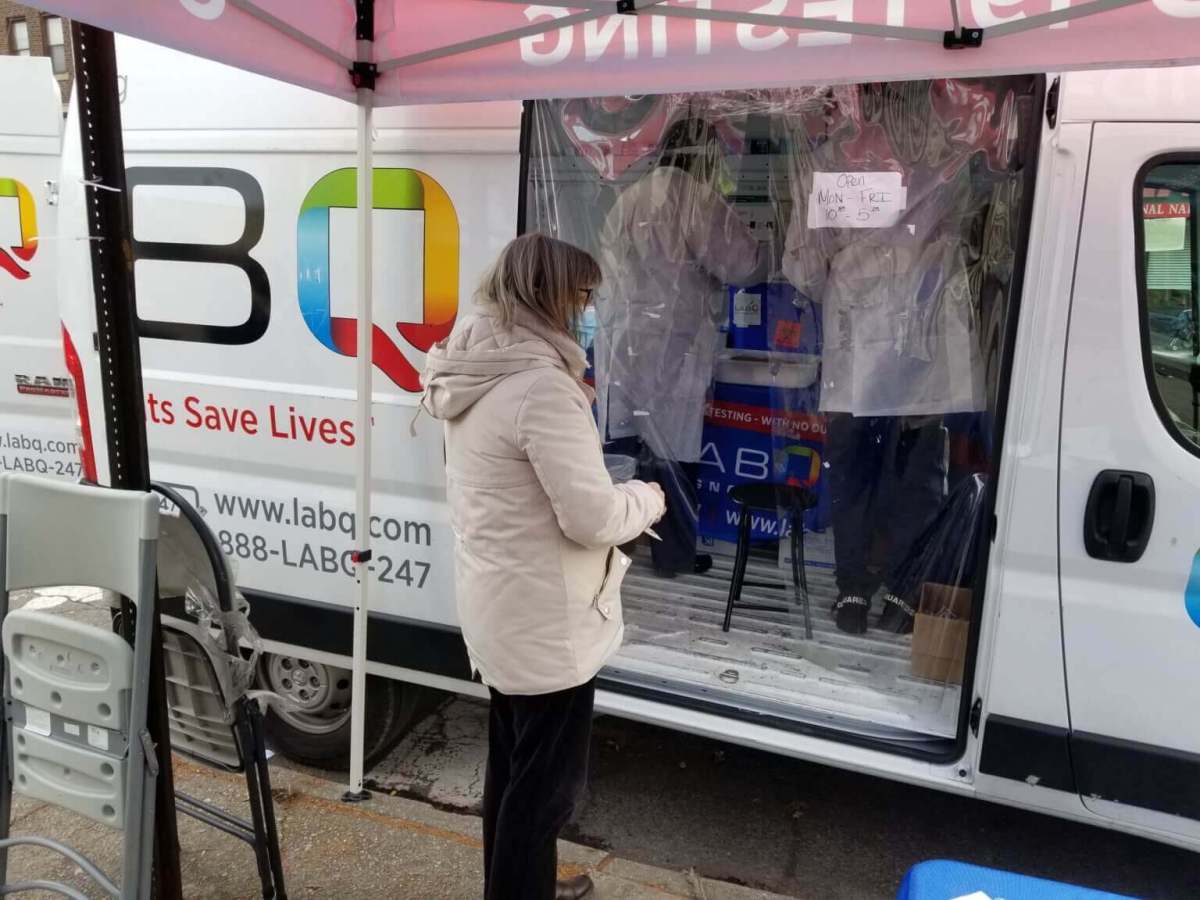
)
(945, 880)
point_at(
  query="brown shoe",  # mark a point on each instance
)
(573, 888)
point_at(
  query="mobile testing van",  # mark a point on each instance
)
(1047, 218)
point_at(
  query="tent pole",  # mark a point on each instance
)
(363, 445)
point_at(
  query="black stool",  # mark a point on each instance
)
(771, 498)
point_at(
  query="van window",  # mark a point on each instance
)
(1168, 285)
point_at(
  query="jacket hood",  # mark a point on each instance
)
(481, 353)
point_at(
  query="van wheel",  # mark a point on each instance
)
(313, 727)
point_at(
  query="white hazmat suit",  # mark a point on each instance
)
(899, 320)
(669, 246)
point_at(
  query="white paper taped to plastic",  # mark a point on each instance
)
(856, 200)
(97, 737)
(747, 309)
(37, 720)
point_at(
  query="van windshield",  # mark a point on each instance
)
(799, 336)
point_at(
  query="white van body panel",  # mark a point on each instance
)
(1020, 662)
(1129, 95)
(1126, 680)
(287, 139)
(233, 102)
(36, 410)
(271, 395)
(269, 453)
(76, 300)
(1021, 634)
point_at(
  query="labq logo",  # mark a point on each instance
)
(400, 189)
(27, 218)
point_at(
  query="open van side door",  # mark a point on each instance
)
(1129, 482)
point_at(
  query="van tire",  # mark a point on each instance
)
(392, 709)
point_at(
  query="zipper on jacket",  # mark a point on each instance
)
(608, 564)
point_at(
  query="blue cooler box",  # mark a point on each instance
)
(762, 425)
(942, 879)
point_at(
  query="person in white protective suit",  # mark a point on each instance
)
(901, 350)
(669, 246)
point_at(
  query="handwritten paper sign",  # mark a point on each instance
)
(856, 200)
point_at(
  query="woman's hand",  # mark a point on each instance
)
(657, 488)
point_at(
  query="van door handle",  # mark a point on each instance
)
(1120, 516)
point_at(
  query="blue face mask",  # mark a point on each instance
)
(584, 326)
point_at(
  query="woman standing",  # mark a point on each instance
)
(537, 521)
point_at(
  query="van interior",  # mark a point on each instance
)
(802, 323)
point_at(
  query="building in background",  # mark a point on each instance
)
(30, 32)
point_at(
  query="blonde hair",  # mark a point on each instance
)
(542, 274)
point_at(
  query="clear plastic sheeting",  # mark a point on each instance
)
(800, 323)
(887, 191)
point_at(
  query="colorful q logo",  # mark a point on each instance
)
(404, 189)
(27, 222)
(805, 474)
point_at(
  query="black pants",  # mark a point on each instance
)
(886, 483)
(676, 552)
(536, 769)
(678, 528)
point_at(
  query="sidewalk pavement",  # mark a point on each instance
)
(388, 847)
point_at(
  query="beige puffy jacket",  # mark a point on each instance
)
(536, 517)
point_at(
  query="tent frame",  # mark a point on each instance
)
(362, 74)
(591, 10)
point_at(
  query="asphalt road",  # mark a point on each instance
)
(817, 832)
(795, 828)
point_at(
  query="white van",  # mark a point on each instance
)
(37, 433)
(1066, 690)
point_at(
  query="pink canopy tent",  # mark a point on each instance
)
(389, 52)
(449, 50)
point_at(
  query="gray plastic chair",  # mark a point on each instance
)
(75, 731)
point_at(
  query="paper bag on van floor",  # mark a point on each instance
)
(939, 645)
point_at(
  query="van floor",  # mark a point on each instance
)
(764, 663)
